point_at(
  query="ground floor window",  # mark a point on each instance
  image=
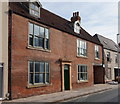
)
(82, 73)
(39, 72)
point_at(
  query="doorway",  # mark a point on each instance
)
(1, 80)
(99, 75)
(66, 77)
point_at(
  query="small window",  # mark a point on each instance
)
(77, 27)
(34, 9)
(38, 36)
(116, 58)
(81, 48)
(39, 72)
(82, 73)
(97, 54)
(108, 57)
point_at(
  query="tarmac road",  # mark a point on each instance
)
(106, 96)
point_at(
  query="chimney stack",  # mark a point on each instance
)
(75, 17)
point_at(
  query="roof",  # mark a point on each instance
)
(50, 19)
(107, 43)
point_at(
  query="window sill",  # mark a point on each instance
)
(38, 49)
(82, 81)
(82, 56)
(38, 85)
(97, 59)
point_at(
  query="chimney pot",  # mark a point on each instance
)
(77, 13)
(73, 14)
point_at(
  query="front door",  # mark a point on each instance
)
(1, 80)
(66, 77)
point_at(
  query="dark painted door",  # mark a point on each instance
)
(99, 73)
(1, 80)
(66, 77)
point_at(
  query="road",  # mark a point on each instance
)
(106, 96)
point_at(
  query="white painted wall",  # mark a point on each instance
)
(111, 64)
(4, 43)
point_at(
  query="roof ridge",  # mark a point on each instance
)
(105, 37)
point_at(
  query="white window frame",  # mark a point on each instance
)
(97, 50)
(77, 27)
(39, 36)
(79, 73)
(38, 72)
(82, 51)
(33, 9)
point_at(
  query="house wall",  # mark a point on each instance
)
(62, 46)
(111, 64)
(4, 44)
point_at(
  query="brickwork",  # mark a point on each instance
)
(62, 46)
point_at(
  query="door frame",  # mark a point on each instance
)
(2, 66)
(62, 68)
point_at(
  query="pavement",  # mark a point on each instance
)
(66, 95)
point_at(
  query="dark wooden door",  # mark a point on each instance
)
(66, 77)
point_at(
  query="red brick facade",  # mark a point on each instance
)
(62, 46)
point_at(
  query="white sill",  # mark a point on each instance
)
(97, 59)
(38, 48)
(80, 56)
(38, 85)
(82, 81)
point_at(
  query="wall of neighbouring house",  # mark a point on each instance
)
(111, 64)
(62, 46)
(4, 44)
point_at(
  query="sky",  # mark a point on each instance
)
(96, 17)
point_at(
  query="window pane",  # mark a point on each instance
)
(30, 40)
(36, 30)
(31, 66)
(36, 78)
(47, 33)
(42, 67)
(37, 66)
(42, 78)
(30, 28)
(41, 42)
(41, 31)
(36, 8)
(32, 5)
(31, 78)
(47, 43)
(78, 76)
(36, 13)
(47, 67)
(36, 41)
(47, 78)
(81, 76)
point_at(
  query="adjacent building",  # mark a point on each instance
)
(3, 50)
(110, 57)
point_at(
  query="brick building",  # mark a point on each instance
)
(48, 53)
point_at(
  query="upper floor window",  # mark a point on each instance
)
(116, 58)
(97, 56)
(34, 9)
(82, 73)
(77, 27)
(108, 57)
(39, 72)
(81, 48)
(38, 36)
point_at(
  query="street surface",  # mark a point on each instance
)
(106, 96)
